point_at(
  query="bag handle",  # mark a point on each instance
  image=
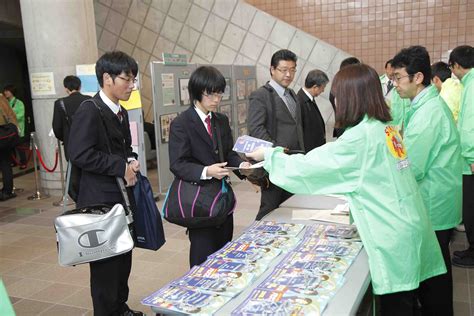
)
(120, 182)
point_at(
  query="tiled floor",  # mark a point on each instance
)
(37, 285)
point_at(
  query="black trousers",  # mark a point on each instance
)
(468, 207)
(109, 284)
(436, 293)
(271, 199)
(398, 304)
(205, 241)
(7, 174)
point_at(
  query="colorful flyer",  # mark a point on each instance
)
(330, 247)
(284, 243)
(187, 301)
(246, 253)
(332, 231)
(247, 144)
(227, 111)
(315, 263)
(165, 122)
(167, 88)
(272, 227)
(227, 265)
(242, 113)
(227, 91)
(241, 89)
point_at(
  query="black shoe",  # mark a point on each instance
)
(465, 262)
(463, 253)
(132, 313)
(6, 196)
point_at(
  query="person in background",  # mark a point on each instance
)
(6, 116)
(274, 115)
(434, 152)
(369, 165)
(65, 108)
(387, 80)
(194, 153)
(100, 145)
(461, 62)
(314, 131)
(18, 107)
(449, 89)
(346, 62)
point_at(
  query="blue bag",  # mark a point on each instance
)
(147, 219)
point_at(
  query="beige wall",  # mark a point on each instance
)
(374, 30)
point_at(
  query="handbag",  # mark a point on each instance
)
(200, 204)
(149, 231)
(95, 232)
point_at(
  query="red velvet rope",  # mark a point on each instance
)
(30, 152)
(42, 162)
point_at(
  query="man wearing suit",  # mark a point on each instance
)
(100, 145)
(275, 116)
(194, 154)
(62, 115)
(314, 130)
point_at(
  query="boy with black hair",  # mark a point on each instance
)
(449, 89)
(65, 108)
(100, 145)
(432, 143)
(461, 62)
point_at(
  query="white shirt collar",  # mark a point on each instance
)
(202, 115)
(308, 94)
(112, 106)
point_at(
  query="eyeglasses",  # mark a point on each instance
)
(129, 80)
(397, 79)
(214, 96)
(292, 71)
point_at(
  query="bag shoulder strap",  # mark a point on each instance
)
(63, 108)
(120, 181)
(273, 129)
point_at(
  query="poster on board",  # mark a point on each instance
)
(240, 89)
(226, 95)
(165, 122)
(183, 91)
(251, 86)
(167, 86)
(242, 113)
(226, 110)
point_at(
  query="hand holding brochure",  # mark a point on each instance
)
(246, 144)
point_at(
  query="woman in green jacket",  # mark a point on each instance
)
(369, 165)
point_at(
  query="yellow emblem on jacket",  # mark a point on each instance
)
(394, 143)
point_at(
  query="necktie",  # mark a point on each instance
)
(290, 103)
(389, 86)
(208, 123)
(120, 115)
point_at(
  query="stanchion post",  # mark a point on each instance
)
(38, 195)
(65, 199)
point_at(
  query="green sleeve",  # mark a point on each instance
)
(466, 124)
(332, 168)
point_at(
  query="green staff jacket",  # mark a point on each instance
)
(434, 151)
(466, 122)
(368, 165)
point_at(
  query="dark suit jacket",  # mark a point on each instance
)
(287, 132)
(88, 150)
(191, 148)
(61, 124)
(314, 129)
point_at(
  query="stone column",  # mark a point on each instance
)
(59, 34)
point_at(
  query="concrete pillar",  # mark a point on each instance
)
(59, 34)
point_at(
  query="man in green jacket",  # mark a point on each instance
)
(19, 108)
(461, 62)
(434, 152)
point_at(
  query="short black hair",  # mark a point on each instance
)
(72, 83)
(414, 59)
(317, 78)
(349, 61)
(11, 88)
(389, 62)
(114, 63)
(282, 54)
(205, 79)
(463, 56)
(440, 70)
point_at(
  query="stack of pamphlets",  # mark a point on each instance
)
(247, 253)
(332, 231)
(275, 228)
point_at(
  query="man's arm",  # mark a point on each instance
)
(87, 135)
(257, 117)
(58, 118)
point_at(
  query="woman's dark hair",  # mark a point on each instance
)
(358, 92)
(114, 63)
(11, 88)
(205, 79)
(414, 59)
